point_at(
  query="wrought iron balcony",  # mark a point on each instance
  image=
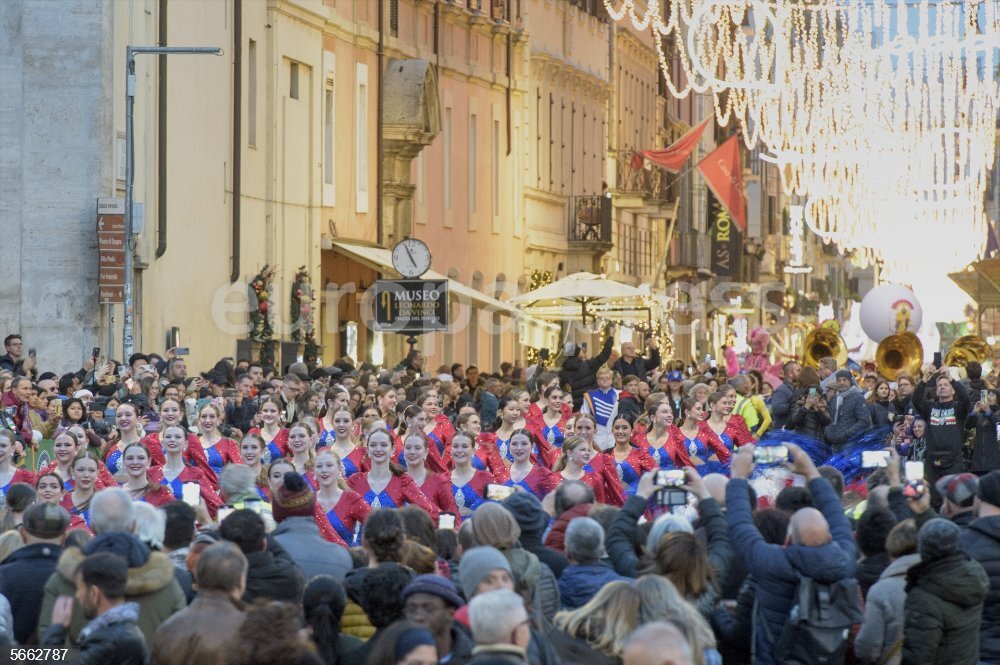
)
(653, 185)
(590, 219)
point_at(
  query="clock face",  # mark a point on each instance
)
(411, 257)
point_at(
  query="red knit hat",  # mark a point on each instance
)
(293, 498)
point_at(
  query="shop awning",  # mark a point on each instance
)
(981, 280)
(532, 331)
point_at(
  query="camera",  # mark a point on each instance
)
(770, 454)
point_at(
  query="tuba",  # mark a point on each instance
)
(822, 342)
(899, 353)
(967, 349)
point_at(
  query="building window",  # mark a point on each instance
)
(252, 93)
(361, 137)
(446, 130)
(293, 80)
(329, 126)
(473, 157)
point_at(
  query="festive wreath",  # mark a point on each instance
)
(260, 313)
(302, 314)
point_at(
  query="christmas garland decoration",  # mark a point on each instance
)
(302, 314)
(261, 329)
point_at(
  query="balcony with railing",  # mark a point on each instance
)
(641, 187)
(590, 221)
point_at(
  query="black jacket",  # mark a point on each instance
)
(639, 366)
(944, 604)
(273, 574)
(945, 428)
(810, 422)
(23, 575)
(532, 542)
(985, 447)
(981, 541)
(581, 375)
(870, 569)
(118, 642)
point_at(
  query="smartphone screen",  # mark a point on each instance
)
(770, 454)
(191, 493)
(984, 396)
(496, 492)
(871, 459)
(670, 478)
(224, 512)
(182, 351)
(446, 521)
(914, 471)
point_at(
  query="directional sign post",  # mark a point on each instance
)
(111, 250)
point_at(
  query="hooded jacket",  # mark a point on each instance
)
(312, 554)
(22, 579)
(776, 568)
(581, 375)
(849, 415)
(151, 583)
(981, 541)
(110, 639)
(944, 605)
(882, 626)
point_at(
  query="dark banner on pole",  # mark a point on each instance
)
(411, 305)
(726, 238)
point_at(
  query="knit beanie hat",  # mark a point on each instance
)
(663, 525)
(528, 511)
(293, 498)
(938, 538)
(476, 564)
(989, 488)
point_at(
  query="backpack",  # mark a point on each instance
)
(820, 622)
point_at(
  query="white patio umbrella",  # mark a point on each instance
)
(584, 294)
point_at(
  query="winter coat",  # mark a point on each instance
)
(151, 584)
(981, 541)
(532, 542)
(575, 651)
(985, 447)
(849, 419)
(272, 574)
(881, 413)
(113, 638)
(498, 654)
(532, 574)
(870, 569)
(312, 554)
(781, 404)
(882, 626)
(23, 575)
(944, 605)
(580, 583)
(355, 621)
(581, 375)
(734, 630)
(200, 633)
(776, 568)
(556, 539)
(639, 366)
(809, 422)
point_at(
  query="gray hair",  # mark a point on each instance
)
(495, 616)
(151, 524)
(112, 510)
(237, 480)
(658, 640)
(584, 540)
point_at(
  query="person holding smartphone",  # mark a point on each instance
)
(808, 414)
(946, 418)
(985, 419)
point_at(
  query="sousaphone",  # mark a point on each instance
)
(967, 349)
(898, 354)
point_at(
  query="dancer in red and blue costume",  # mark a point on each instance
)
(212, 451)
(468, 484)
(84, 469)
(274, 436)
(541, 405)
(631, 461)
(136, 462)
(485, 456)
(387, 485)
(551, 426)
(538, 480)
(49, 487)
(66, 447)
(129, 431)
(302, 452)
(695, 444)
(342, 443)
(175, 471)
(602, 466)
(722, 424)
(577, 453)
(251, 449)
(658, 441)
(510, 419)
(337, 398)
(435, 486)
(344, 510)
(437, 428)
(171, 413)
(10, 474)
(414, 420)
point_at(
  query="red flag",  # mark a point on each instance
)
(723, 171)
(673, 157)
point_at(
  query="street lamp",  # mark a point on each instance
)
(130, 53)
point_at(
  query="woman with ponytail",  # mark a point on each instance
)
(468, 484)
(344, 510)
(301, 446)
(341, 441)
(524, 471)
(437, 428)
(135, 460)
(574, 464)
(323, 604)
(485, 455)
(435, 486)
(631, 461)
(275, 436)
(414, 421)
(695, 443)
